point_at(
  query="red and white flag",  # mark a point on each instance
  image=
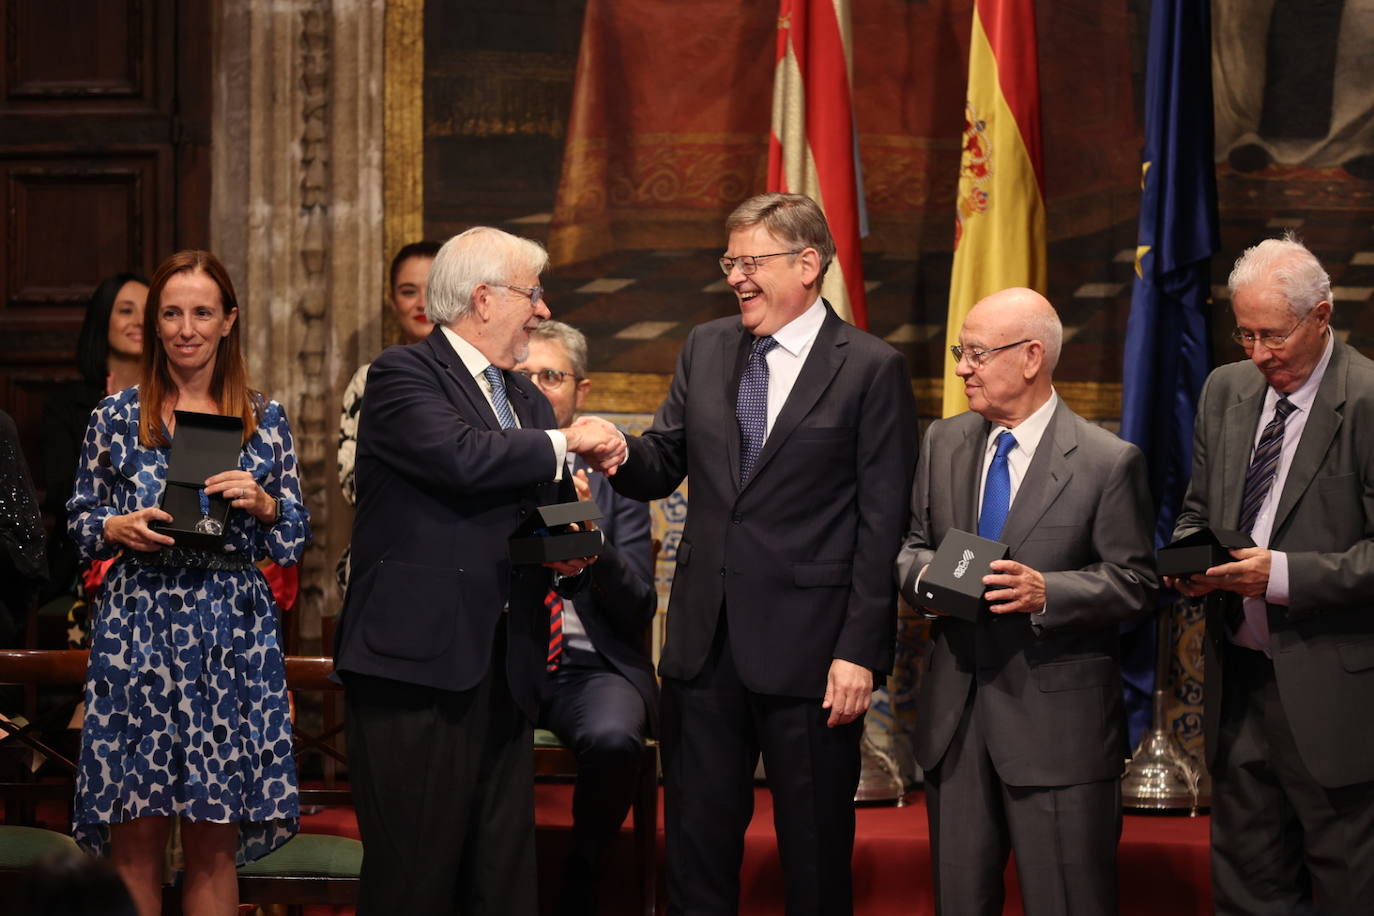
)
(814, 148)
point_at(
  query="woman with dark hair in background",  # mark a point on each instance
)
(109, 353)
(409, 280)
(186, 704)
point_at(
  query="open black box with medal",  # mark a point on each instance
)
(550, 538)
(953, 583)
(205, 444)
(1200, 551)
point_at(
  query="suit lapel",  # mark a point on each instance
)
(734, 352)
(471, 400)
(966, 465)
(1050, 470)
(1317, 435)
(521, 401)
(1238, 440)
(822, 363)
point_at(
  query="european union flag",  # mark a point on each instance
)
(1167, 355)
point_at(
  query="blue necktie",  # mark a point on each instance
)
(997, 491)
(499, 401)
(751, 408)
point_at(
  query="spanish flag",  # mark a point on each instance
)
(999, 231)
(813, 148)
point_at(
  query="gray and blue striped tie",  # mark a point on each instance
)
(1264, 466)
(499, 401)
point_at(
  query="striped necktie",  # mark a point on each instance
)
(555, 608)
(1264, 466)
(500, 402)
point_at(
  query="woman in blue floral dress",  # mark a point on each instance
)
(186, 705)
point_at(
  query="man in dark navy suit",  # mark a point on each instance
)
(600, 697)
(798, 432)
(442, 642)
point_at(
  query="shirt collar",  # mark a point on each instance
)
(1306, 393)
(472, 357)
(1030, 430)
(797, 334)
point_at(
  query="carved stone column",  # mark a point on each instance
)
(296, 215)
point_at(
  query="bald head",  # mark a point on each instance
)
(1011, 382)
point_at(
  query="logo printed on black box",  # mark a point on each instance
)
(962, 566)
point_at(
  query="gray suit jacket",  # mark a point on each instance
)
(1082, 517)
(1323, 641)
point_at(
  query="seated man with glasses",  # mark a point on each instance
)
(600, 697)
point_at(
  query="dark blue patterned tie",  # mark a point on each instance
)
(997, 491)
(1264, 466)
(752, 406)
(499, 401)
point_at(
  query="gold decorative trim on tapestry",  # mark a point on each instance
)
(403, 120)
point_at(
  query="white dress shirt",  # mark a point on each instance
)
(1253, 632)
(1028, 434)
(477, 364)
(786, 359)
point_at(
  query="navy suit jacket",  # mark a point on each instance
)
(441, 489)
(800, 557)
(617, 599)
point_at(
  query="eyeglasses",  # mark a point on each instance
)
(547, 379)
(1247, 339)
(534, 292)
(976, 358)
(748, 263)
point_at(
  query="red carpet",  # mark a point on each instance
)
(1163, 861)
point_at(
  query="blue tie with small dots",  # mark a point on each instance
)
(751, 408)
(997, 491)
(499, 401)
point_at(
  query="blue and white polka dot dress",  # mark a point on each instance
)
(186, 704)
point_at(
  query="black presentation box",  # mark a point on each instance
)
(554, 542)
(1200, 551)
(953, 584)
(205, 444)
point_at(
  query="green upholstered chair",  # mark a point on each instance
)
(310, 868)
(22, 841)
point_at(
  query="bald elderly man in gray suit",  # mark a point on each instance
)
(1020, 726)
(1284, 450)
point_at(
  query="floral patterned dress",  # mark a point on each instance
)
(186, 703)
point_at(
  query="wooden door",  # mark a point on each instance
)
(104, 167)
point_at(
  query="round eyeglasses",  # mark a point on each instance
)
(547, 379)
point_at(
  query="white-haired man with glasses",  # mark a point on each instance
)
(1020, 726)
(1284, 451)
(798, 432)
(442, 642)
(600, 697)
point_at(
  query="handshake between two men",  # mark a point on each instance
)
(598, 442)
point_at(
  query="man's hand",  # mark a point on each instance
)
(598, 442)
(132, 529)
(573, 567)
(1191, 586)
(1021, 589)
(1247, 576)
(848, 691)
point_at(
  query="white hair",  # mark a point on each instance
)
(1045, 326)
(479, 255)
(1289, 267)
